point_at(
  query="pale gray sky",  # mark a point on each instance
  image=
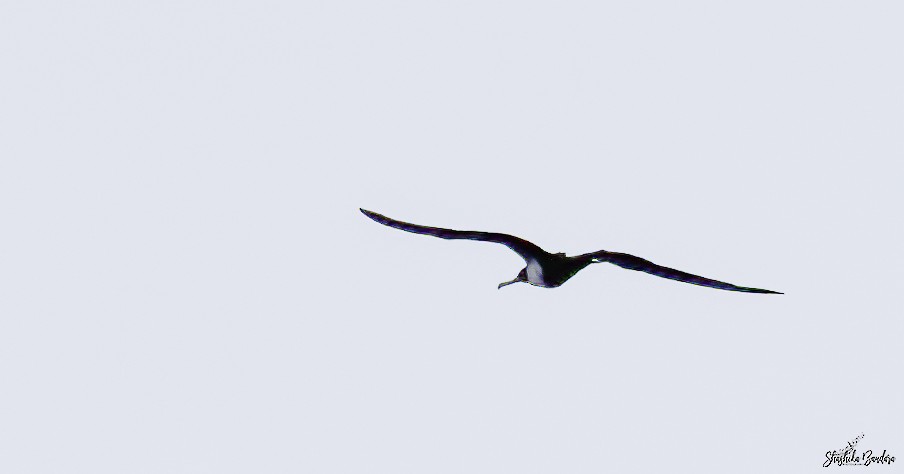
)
(188, 286)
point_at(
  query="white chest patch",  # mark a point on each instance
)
(534, 273)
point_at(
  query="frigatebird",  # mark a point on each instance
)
(550, 270)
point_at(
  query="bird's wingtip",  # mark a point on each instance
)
(374, 216)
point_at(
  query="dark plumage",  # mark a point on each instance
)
(550, 270)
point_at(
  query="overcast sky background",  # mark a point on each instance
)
(188, 286)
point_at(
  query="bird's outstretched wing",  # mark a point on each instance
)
(636, 263)
(524, 248)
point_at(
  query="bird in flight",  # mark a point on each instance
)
(550, 270)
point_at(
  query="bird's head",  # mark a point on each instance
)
(522, 276)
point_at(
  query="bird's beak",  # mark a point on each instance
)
(507, 283)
